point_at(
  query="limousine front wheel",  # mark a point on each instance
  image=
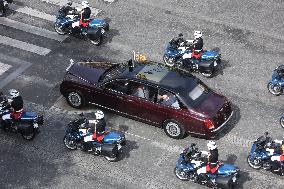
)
(173, 129)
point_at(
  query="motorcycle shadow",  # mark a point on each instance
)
(222, 66)
(130, 145)
(243, 176)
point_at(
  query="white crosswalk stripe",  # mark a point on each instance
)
(24, 45)
(33, 12)
(4, 68)
(95, 11)
(32, 29)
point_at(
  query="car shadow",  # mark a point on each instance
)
(231, 123)
(243, 176)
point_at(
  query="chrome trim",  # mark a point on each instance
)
(135, 117)
(223, 123)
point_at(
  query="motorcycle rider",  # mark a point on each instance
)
(96, 131)
(85, 14)
(212, 161)
(277, 160)
(16, 103)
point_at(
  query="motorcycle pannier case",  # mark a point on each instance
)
(94, 33)
(109, 150)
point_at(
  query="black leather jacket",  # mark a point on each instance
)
(198, 44)
(17, 103)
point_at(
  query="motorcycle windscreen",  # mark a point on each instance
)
(94, 33)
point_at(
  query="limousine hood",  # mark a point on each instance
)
(89, 71)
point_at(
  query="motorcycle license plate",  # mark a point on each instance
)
(103, 31)
(35, 125)
(234, 179)
(215, 63)
(119, 146)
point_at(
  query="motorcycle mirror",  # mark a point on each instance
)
(266, 134)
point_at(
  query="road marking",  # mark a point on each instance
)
(32, 29)
(32, 12)
(61, 3)
(4, 67)
(24, 46)
(23, 65)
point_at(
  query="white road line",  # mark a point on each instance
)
(22, 66)
(4, 67)
(32, 12)
(24, 46)
(94, 10)
(32, 29)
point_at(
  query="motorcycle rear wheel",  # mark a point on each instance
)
(59, 29)
(274, 89)
(256, 164)
(30, 136)
(207, 74)
(98, 41)
(111, 159)
(70, 144)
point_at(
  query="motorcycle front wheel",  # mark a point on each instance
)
(180, 174)
(282, 122)
(70, 144)
(256, 164)
(169, 61)
(59, 29)
(274, 89)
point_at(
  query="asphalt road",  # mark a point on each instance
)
(249, 35)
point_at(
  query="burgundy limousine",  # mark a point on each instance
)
(177, 102)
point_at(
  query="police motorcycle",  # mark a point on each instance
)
(263, 148)
(276, 84)
(4, 6)
(94, 32)
(184, 57)
(108, 145)
(27, 123)
(191, 159)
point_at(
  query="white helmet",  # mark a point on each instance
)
(197, 34)
(99, 114)
(85, 4)
(14, 93)
(211, 145)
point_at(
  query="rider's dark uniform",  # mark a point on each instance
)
(85, 16)
(198, 44)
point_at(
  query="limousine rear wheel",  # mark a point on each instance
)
(75, 99)
(173, 129)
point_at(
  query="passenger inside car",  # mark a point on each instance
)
(142, 92)
(168, 99)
